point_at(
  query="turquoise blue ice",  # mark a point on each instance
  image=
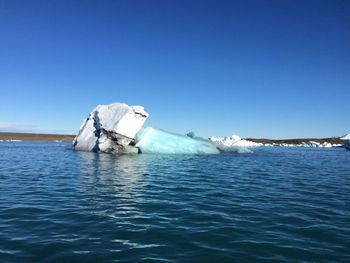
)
(151, 140)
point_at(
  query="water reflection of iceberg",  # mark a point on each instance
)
(114, 188)
(115, 179)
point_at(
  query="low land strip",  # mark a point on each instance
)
(35, 137)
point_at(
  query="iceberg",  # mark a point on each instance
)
(118, 128)
(346, 139)
(151, 140)
(232, 141)
(312, 144)
(111, 129)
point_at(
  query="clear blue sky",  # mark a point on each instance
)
(260, 68)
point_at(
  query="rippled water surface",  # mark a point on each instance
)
(274, 204)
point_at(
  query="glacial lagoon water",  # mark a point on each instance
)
(276, 204)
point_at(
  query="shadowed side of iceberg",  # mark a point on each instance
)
(151, 140)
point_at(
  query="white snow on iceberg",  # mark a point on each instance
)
(232, 142)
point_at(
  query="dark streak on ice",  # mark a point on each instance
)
(97, 131)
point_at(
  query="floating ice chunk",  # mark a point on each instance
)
(336, 145)
(326, 145)
(151, 140)
(191, 134)
(225, 143)
(346, 137)
(314, 144)
(110, 128)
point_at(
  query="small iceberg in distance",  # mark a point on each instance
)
(346, 139)
(234, 143)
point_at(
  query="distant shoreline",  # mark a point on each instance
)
(35, 136)
(332, 140)
(70, 137)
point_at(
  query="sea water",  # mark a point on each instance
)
(275, 204)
